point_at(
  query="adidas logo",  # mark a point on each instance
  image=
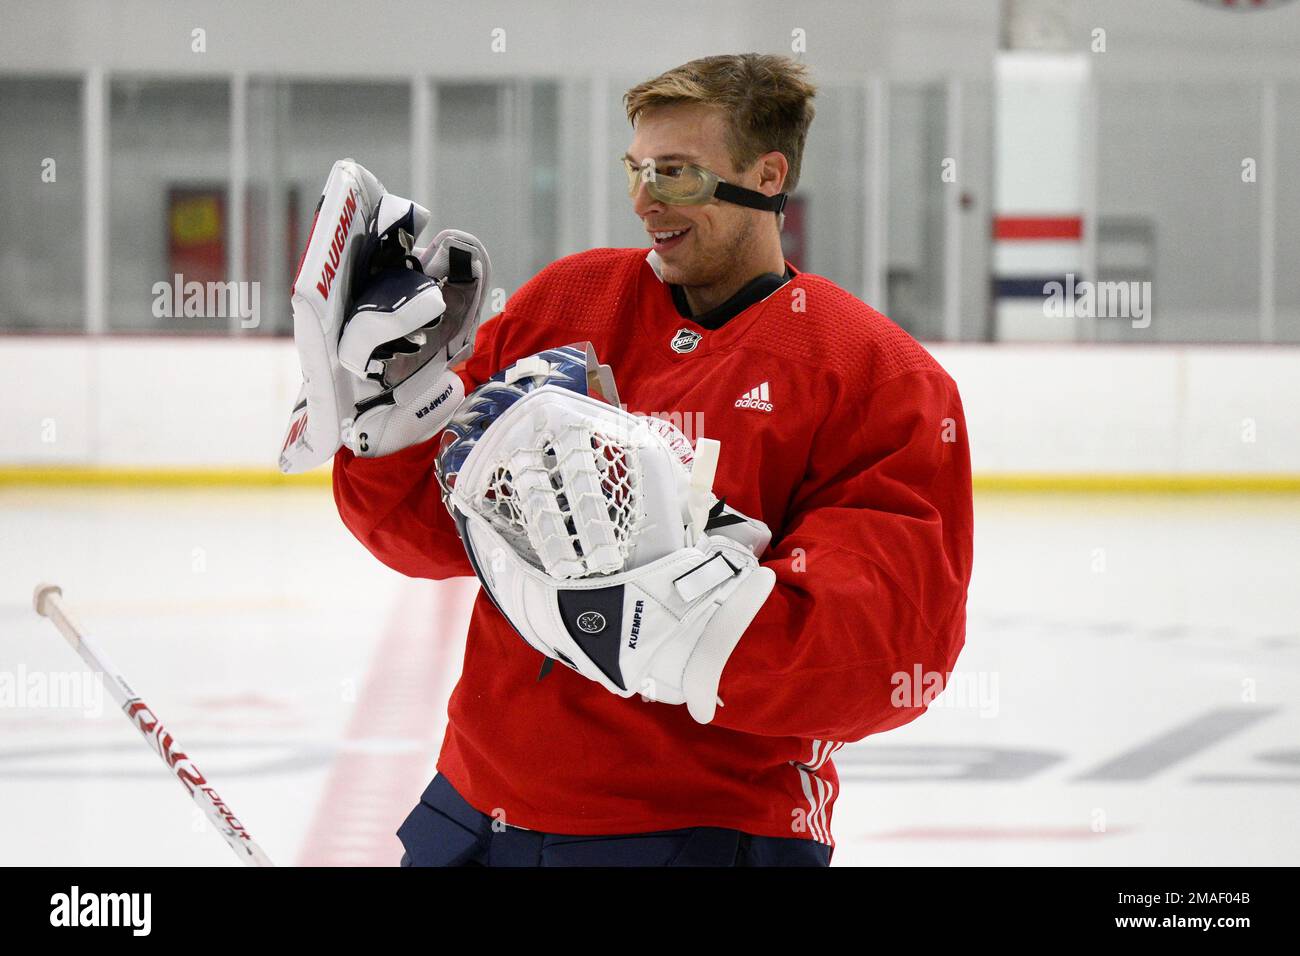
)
(757, 397)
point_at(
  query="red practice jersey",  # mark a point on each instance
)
(841, 433)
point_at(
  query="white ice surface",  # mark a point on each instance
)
(251, 621)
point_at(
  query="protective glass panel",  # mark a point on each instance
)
(43, 181)
(168, 173)
(916, 209)
(1179, 207)
(496, 170)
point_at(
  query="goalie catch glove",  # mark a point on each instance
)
(596, 534)
(378, 323)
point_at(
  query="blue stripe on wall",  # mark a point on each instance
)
(1027, 288)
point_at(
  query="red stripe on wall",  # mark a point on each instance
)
(1037, 227)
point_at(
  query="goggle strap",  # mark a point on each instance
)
(729, 192)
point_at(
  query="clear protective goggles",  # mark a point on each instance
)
(685, 184)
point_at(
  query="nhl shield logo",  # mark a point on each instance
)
(685, 340)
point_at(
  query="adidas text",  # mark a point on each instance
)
(756, 398)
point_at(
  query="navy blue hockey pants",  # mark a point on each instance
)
(444, 830)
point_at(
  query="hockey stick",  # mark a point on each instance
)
(48, 603)
(703, 470)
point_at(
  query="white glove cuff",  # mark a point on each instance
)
(413, 412)
(703, 672)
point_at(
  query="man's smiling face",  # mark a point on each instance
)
(697, 245)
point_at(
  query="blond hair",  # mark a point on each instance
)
(766, 99)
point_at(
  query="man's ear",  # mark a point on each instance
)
(773, 168)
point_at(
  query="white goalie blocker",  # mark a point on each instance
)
(596, 533)
(320, 297)
(378, 323)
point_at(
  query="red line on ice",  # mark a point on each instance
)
(388, 751)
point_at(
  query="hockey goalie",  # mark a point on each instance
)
(718, 508)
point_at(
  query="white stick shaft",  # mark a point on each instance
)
(159, 739)
(703, 468)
